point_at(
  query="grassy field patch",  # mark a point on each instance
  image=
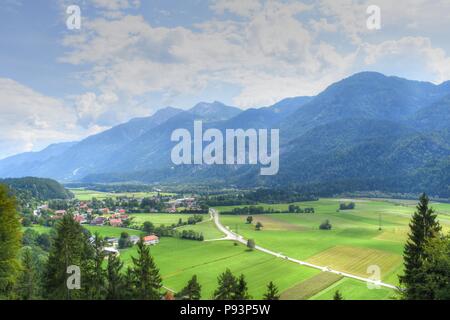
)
(355, 290)
(356, 260)
(311, 286)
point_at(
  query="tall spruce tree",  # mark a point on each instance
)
(436, 268)
(272, 292)
(94, 275)
(10, 242)
(423, 228)
(29, 282)
(147, 281)
(192, 291)
(227, 286)
(129, 290)
(242, 289)
(115, 279)
(68, 249)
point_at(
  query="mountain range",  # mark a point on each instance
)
(367, 132)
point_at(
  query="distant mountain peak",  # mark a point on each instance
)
(214, 111)
(208, 105)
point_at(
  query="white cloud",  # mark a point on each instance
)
(274, 49)
(90, 107)
(268, 51)
(410, 51)
(239, 7)
(115, 4)
(31, 120)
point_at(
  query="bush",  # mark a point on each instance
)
(347, 206)
(124, 241)
(191, 235)
(251, 244)
(326, 225)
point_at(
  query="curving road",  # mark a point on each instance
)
(236, 237)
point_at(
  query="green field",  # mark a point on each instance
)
(111, 232)
(207, 228)
(104, 231)
(355, 290)
(353, 245)
(159, 219)
(179, 259)
(85, 195)
(39, 229)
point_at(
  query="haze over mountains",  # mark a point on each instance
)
(366, 132)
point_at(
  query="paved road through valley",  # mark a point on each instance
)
(236, 237)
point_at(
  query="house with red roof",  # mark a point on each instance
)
(151, 240)
(60, 212)
(79, 218)
(115, 222)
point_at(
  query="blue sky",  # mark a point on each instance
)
(133, 57)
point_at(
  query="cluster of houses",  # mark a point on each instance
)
(116, 219)
(84, 215)
(188, 203)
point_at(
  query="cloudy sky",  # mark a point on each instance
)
(133, 57)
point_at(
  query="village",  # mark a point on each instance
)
(117, 212)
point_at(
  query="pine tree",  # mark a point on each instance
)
(28, 284)
(146, 276)
(436, 268)
(94, 275)
(192, 291)
(424, 227)
(227, 286)
(338, 296)
(115, 279)
(272, 292)
(241, 289)
(10, 242)
(68, 249)
(129, 291)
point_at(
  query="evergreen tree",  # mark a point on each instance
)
(28, 284)
(94, 275)
(129, 290)
(241, 289)
(115, 279)
(436, 269)
(146, 276)
(227, 286)
(68, 249)
(338, 296)
(424, 227)
(192, 291)
(10, 241)
(272, 292)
